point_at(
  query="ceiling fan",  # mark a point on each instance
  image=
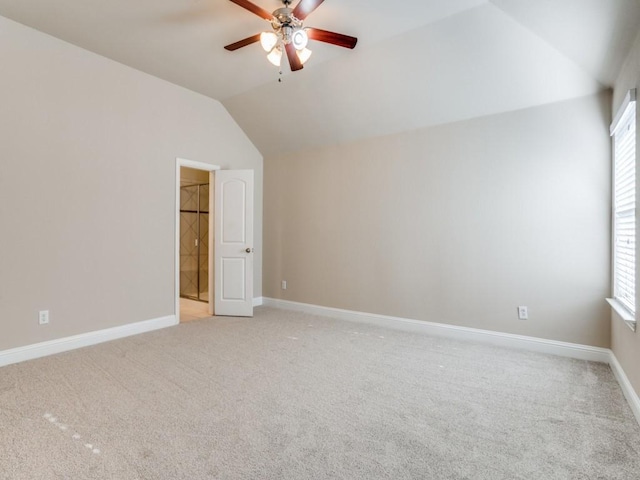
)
(289, 34)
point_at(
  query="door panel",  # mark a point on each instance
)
(233, 280)
(234, 198)
(233, 251)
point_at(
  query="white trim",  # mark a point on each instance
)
(623, 312)
(183, 162)
(541, 345)
(629, 98)
(582, 352)
(211, 261)
(51, 347)
(625, 385)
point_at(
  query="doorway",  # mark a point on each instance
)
(194, 244)
(194, 234)
(194, 237)
(227, 287)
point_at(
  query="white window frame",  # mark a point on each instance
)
(624, 210)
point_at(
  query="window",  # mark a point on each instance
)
(623, 131)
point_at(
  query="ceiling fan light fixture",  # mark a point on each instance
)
(275, 56)
(300, 39)
(289, 33)
(304, 55)
(268, 40)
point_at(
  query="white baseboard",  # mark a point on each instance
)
(541, 345)
(572, 350)
(37, 350)
(629, 393)
(564, 349)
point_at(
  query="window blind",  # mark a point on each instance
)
(624, 209)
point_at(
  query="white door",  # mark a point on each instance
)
(233, 246)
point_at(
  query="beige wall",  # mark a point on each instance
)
(625, 343)
(88, 151)
(456, 224)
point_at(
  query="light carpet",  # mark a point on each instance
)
(287, 395)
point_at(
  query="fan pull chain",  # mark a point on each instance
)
(280, 76)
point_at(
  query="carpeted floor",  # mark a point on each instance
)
(292, 396)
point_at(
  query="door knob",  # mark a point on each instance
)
(249, 250)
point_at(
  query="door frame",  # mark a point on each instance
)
(207, 167)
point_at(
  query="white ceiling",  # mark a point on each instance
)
(417, 63)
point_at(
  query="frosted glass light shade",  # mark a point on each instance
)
(300, 39)
(275, 56)
(268, 40)
(304, 55)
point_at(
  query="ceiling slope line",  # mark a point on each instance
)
(594, 75)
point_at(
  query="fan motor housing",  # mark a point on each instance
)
(285, 16)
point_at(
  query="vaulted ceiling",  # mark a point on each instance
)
(417, 63)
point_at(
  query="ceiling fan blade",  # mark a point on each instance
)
(261, 12)
(330, 37)
(305, 7)
(243, 43)
(294, 61)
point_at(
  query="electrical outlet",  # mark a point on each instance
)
(284, 284)
(43, 317)
(523, 313)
